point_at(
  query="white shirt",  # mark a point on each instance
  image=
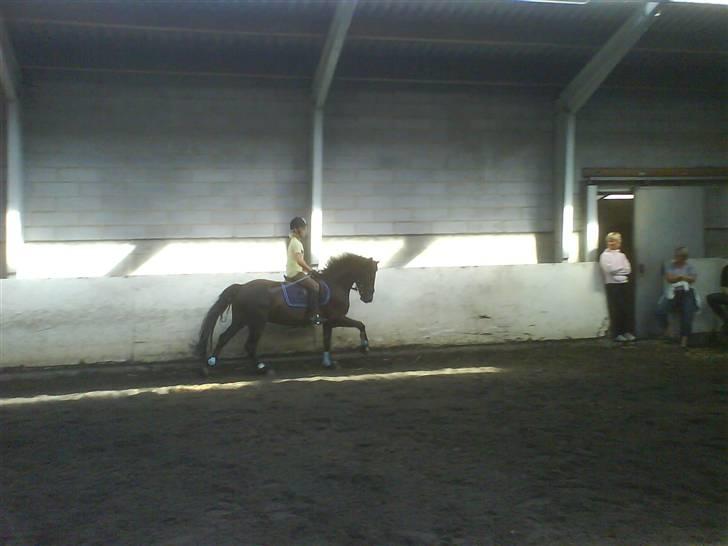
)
(615, 266)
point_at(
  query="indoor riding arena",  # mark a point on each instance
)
(516, 216)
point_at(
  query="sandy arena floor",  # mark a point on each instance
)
(552, 443)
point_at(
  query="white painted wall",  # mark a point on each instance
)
(67, 321)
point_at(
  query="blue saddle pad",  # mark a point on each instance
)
(295, 295)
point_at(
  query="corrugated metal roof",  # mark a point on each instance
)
(456, 40)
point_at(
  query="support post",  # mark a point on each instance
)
(591, 246)
(571, 99)
(320, 90)
(317, 180)
(12, 206)
(14, 195)
(565, 160)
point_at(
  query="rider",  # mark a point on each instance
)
(297, 270)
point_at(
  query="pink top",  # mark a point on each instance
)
(615, 266)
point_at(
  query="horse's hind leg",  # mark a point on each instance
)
(236, 325)
(255, 331)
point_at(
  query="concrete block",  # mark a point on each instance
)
(151, 217)
(80, 233)
(52, 219)
(95, 189)
(36, 234)
(413, 228)
(81, 204)
(377, 202)
(255, 176)
(450, 227)
(351, 215)
(77, 175)
(417, 176)
(254, 230)
(431, 188)
(519, 226)
(275, 216)
(332, 229)
(257, 202)
(412, 201)
(211, 231)
(374, 228)
(484, 226)
(374, 175)
(196, 188)
(213, 175)
(430, 214)
(465, 214)
(41, 174)
(392, 215)
(54, 189)
(189, 217)
(41, 204)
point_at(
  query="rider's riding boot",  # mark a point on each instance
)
(313, 306)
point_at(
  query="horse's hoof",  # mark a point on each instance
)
(212, 362)
(364, 347)
(261, 368)
(327, 362)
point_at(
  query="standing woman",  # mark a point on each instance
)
(616, 268)
(679, 295)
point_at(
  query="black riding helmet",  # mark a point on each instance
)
(298, 222)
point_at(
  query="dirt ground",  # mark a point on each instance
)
(549, 443)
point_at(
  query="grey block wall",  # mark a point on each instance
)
(140, 158)
(647, 129)
(429, 162)
(118, 158)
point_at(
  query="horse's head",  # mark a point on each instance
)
(352, 270)
(365, 278)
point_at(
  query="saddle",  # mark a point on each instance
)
(296, 296)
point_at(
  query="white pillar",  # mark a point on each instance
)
(14, 204)
(565, 147)
(591, 246)
(571, 99)
(316, 223)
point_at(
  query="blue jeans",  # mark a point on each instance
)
(684, 304)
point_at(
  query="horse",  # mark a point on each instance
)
(261, 301)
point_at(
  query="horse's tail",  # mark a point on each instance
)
(208, 324)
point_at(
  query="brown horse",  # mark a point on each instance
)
(258, 302)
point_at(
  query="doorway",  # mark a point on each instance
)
(652, 221)
(615, 212)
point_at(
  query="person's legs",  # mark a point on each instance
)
(664, 306)
(612, 295)
(621, 308)
(686, 304)
(312, 288)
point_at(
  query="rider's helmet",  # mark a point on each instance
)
(298, 222)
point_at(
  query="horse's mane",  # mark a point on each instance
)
(344, 262)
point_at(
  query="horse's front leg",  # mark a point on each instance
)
(346, 322)
(327, 361)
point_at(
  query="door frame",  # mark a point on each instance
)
(599, 180)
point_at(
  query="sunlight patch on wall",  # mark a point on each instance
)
(63, 260)
(574, 247)
(382, 249)
(476, 250)
(199, 257)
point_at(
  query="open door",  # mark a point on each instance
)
(664, 218)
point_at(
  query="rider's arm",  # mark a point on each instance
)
(302, 262)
